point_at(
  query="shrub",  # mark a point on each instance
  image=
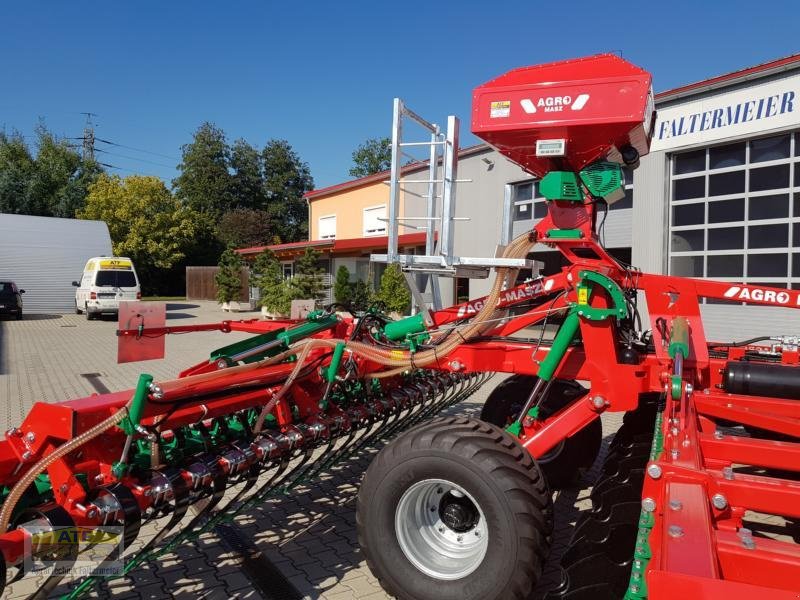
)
(228, 278)
(342, 288)
(307, 281)
(272, 287)
(394, 292)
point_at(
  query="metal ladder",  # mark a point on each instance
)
(439, 259)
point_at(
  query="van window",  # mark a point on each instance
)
(115, 279)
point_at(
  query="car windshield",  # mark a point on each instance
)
(115, 279)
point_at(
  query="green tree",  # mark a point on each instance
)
(148, 225)
(268, 278)
(373, 156)
(228, 278)
(362, 295)
(245, 227)
(17, 166)
(307, 281)
(247, 179)
(394, 292)
(205, 181)
(342, 288)
(286, 179)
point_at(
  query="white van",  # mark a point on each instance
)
(106, 281)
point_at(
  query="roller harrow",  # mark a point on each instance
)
(461, 508)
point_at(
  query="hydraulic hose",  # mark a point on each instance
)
(19, 488)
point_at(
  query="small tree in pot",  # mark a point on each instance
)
(272, 287)
(342, 288)
(307, 282)
(229, 278)
(394, 292)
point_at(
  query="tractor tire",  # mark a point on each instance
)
(561, 465)
(455, 509)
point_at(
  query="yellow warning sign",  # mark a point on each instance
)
(583, 296)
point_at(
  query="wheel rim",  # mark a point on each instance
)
(441, 529)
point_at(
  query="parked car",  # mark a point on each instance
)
(11, 299)
(106, 281)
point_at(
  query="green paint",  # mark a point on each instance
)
(590, 280)
(604, 180)
(136, 410)
(398, 330)
(336, 361)
(562, 186)
(565, 234)
(566, 333)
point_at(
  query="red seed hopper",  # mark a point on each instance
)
(565, 115)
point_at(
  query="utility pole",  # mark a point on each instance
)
(88, 137)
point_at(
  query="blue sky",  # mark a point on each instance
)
(323, 74)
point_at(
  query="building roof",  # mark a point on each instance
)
(337, 246)
(762, 70)
(383, 175)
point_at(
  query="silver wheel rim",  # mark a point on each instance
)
(428, 542)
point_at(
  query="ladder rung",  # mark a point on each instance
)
(422, 143)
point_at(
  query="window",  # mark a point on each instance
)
(288, 270)
(327, 227)
(115, 279)
(375, 220)
(735, 211)
(527, 202)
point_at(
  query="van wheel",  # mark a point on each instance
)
(78, 311)
(19, 316)
(89, 315)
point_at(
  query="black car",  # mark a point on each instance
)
(11, 299)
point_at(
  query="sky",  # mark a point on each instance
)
(322, 75)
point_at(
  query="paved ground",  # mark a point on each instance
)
(309, 536)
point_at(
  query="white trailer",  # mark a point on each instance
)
(44, 255)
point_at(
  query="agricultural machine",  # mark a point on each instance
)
(453, 507)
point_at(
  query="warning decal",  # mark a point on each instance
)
(500, 108)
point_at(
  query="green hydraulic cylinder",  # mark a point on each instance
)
(336, 361)
(566, 333)
(136, 410)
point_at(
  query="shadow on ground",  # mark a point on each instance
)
(181, 306)
(179, 315)
(34, 317)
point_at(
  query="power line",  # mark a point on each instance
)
(144, 160)
(137, 149)
(129, 170)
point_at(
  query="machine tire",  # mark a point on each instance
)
(490, 469)
(562, 464)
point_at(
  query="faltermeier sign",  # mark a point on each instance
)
(751, 110)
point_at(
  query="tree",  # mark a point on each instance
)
(17, 166)
(394, 292)
(307, 281)
(342, 288)
(373, 156)
(228, 278)
(205, 181)
(362, 295)
(245, 227)
(268, 278)
(247, 180)
(286, 179)
(148, 225)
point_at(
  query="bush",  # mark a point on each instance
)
(361, 296)
(342, 288)
(394, 292)
(272, 287)
(228, 278)
(307, 281)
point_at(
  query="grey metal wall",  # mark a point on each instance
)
(43, 255)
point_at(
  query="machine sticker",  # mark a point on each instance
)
(583, 296)
(510, 296)
(743, 293)
(499, 109)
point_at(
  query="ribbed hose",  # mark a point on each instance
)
(19, 488)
